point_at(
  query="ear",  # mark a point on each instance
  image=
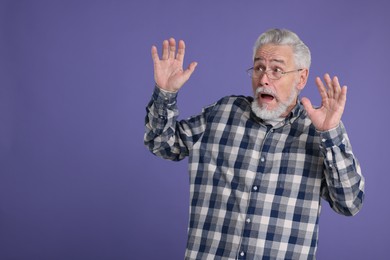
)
(303, 76)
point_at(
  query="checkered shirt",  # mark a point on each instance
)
(255, 190)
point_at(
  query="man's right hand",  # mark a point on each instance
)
(168, 71)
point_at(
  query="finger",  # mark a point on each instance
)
(165, 50)
(322, 90)
(336, 87)
(191, 68)
(328, 82)
(154, 54)
(172, 48)
(307, 105)
(343, 95)
(181, 51)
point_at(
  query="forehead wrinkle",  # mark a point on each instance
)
(281, 61)
(274, 53)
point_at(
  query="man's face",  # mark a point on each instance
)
(277, 94)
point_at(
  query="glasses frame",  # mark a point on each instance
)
(250, 73)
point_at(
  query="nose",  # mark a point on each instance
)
(263, 79)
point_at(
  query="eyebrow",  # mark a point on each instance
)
(273, 60)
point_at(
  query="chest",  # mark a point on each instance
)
(241, 151)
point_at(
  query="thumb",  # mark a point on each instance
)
(307, 105)
(191, 68)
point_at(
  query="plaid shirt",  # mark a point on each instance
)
(255, 190)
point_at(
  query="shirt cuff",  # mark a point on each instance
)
(333, 137)
(164, 97)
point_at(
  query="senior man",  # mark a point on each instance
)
(259, 165)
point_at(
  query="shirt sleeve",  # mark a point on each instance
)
(343, 182)
(165, 136)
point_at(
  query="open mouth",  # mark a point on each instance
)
(267, 97)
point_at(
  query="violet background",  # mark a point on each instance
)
(76, 181)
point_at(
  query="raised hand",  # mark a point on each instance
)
(168, 71)
(328, 116)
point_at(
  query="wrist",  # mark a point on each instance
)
(165, 90)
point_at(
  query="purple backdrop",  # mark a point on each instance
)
(76, 181)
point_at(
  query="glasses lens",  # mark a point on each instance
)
(274, 74)
(260, 73)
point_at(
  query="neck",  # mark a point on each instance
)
(290, 108)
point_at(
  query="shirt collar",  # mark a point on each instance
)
(295, 112)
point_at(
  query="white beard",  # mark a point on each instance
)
(265, 114)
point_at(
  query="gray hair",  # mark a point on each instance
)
(302, 57)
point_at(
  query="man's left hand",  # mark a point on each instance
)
(334, 97)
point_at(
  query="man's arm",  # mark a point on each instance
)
(164, 135)
(343, 183)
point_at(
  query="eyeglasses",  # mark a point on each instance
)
(273, 74)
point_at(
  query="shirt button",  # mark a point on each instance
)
(255, 188)
(323, 140)
(262, 159)
(242, 253)
(248, 220)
